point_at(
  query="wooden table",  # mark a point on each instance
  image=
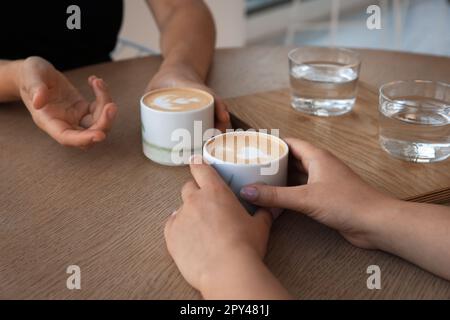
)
(105, 209)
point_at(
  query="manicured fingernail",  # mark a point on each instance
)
(195, 159)
(249, 193)
(174, 213)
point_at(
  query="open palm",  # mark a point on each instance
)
(59, 109)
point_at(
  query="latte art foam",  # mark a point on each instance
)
(245, 148)
(177, 99)
(171, 102)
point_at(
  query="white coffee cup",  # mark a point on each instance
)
(174, 122)
(238, 172)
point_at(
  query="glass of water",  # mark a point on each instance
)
(414, 120)
(323, 80)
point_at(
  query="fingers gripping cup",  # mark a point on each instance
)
(248, 157)
(174, 123)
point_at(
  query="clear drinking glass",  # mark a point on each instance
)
(323, 80)
(414, 120)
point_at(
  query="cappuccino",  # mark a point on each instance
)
(246, 157)
(177, 99)
(245, 148)
(174, 122)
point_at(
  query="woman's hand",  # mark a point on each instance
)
(333, 195)
(59, 109)
(216, 244)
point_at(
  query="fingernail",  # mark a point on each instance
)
(111, 113)
(196, 159)
(97, 138)
(174, 213)
(102, 84)
(249, 193)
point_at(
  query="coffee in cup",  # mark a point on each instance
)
(247, 157)
(174, 121)
(177, 99)
(248, 148)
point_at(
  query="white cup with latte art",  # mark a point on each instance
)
(174, 122)
(247, 157)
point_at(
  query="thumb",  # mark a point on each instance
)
(36, 77)
(293, 198)
(222, 110)
(39, 95)
(36, 88)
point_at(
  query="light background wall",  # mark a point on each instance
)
(408, 25)
(139, 26)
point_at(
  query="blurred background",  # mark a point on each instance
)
(421, 26)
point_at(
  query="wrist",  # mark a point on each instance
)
(381, 218)
(11, 75)
(179, 59)
(175, 74)
(17, 67)
(229, 271)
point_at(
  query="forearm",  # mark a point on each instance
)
(187, 39)
(419, 233)
(243, 277)
(9, 89)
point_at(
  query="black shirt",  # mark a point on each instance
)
(40, 28)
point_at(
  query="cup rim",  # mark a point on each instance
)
(383, 95)
(355, 53)
(211, 103)
(220, 161)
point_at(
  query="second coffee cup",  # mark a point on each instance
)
(248, 157)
